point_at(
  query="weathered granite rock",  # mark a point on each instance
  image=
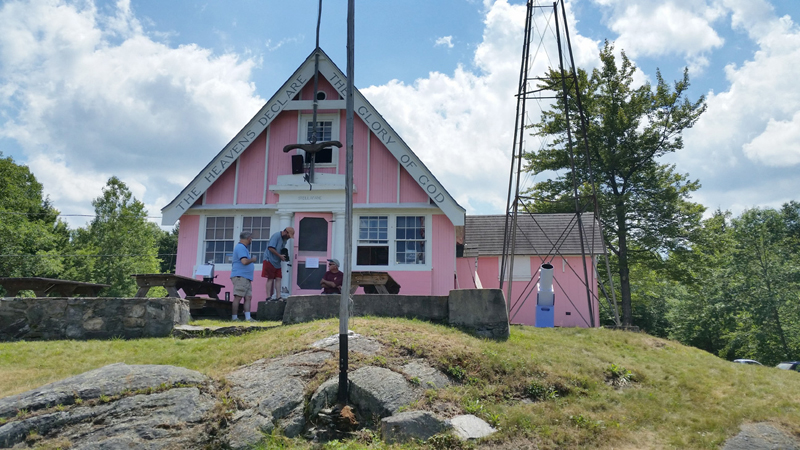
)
(294, 423)
(324, 396)
(275, 389)
(470, 427)
(110, 380)
(376, 391)
(191, 331)
(248, 427)
(761, 436)
(119, 409)
(355, 343)
(169, 419)
(429, 378)
(408, 425)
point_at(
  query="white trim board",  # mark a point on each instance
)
(280, 102)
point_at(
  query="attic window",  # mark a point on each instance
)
(327, 130)
(321, 95)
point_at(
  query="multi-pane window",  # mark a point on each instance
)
(219, 240)
(373, 241)
(324, 133)
(259, 226)
(410, 240)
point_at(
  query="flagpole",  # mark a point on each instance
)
(344, 304)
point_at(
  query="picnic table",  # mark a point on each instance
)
(42, 287)
(174, 283)
(374, 282)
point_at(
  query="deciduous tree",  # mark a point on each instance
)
(120, 238)
(644, 205)
(31, 235)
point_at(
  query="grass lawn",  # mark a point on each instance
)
(552, 388)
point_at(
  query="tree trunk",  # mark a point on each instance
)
(624, 271)
(774, 309)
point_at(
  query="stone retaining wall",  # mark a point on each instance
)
(90, 318)
(480, 310)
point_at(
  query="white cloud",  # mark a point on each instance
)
(658, 28)
(290, 40)
(778, 145)
(745, 147)
(88, 96)
(446, 41)
(462, 125)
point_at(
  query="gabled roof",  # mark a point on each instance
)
(275, 105)
(537, 234)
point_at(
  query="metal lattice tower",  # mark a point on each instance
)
(547, 28)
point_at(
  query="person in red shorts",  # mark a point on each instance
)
(332, 281)
(271, 269)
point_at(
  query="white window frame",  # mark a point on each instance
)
(262, 238)
(238, 221)
(392, 242)
(305, 119)
(522, 268)
(203, 240)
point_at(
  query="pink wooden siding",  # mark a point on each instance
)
(282, 131)
(221, 192)
(383, 173)
(488, 269)
(307, 93)
(361, 135)
(410, 192)
(570, 291)
(465, 271)
(443, 242)
(412, 283)
(187, 245)
(251, 172)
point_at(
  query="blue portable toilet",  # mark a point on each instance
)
(545, 298)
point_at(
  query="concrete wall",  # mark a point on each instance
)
(90, 318)
(481, 310)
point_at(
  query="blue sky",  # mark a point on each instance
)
(150, 90)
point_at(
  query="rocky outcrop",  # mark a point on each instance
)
(355, 343)
(132, 407)
(762, 436)
(154, 407)
(108, 381)
(425, 375)
(409, 425)
(275, 389)
(191, 331)
(470, 427)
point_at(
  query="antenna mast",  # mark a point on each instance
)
(536, 41)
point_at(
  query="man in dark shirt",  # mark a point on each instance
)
(331, 282)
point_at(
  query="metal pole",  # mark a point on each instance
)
(507, 265)
(572, 163)
(344, 304)
(518, 132)
(315, 104)
(584, 129)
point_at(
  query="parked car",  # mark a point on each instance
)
(747, 361)
(789, 365)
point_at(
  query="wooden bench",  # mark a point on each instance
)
(173, 283)
(374, 283)
(42, 287)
